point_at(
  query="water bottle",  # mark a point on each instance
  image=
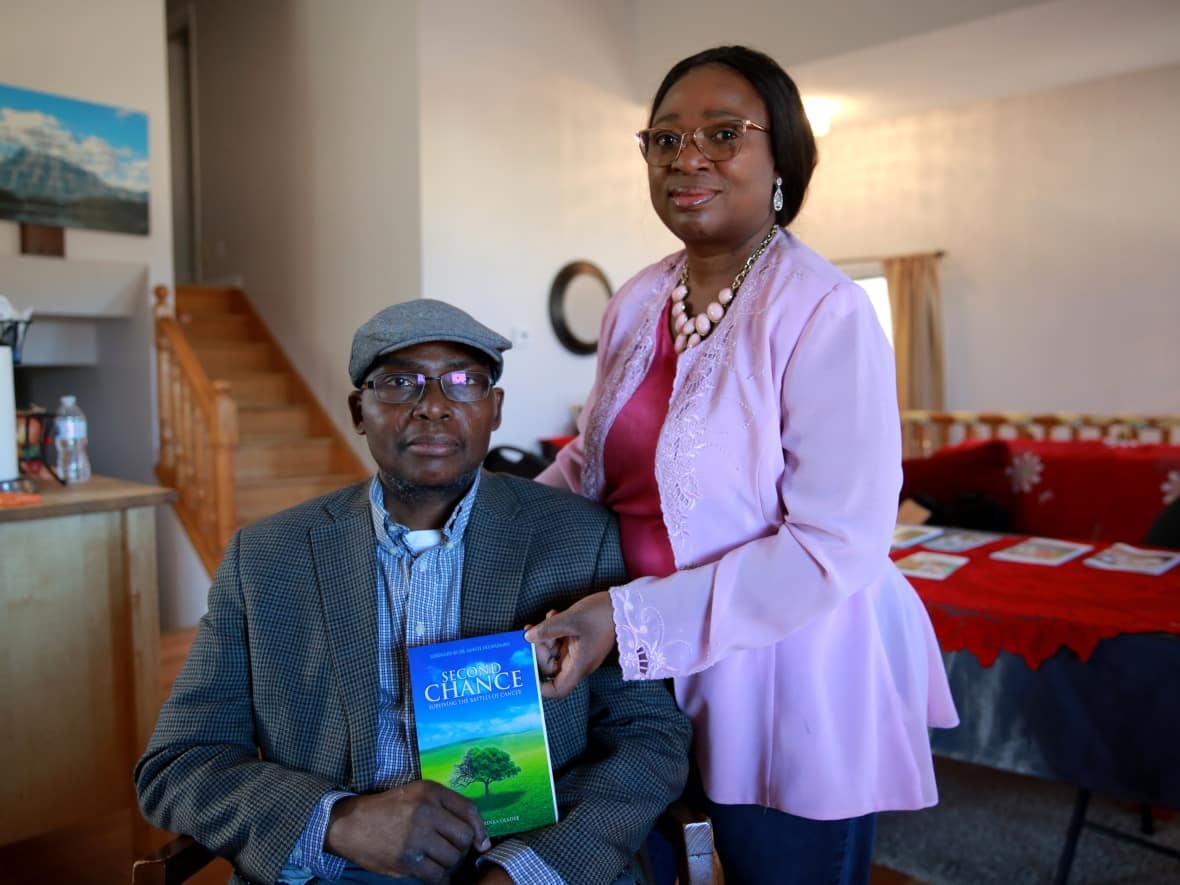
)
(69, 435)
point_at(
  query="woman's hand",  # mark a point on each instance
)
(574, 643)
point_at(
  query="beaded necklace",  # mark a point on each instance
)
(692, 330)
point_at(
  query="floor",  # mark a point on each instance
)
(100, 853)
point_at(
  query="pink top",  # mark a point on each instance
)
(629, 461)
(805, 659)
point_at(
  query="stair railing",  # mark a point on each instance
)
(198, 433)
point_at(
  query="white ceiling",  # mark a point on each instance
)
(891, 59)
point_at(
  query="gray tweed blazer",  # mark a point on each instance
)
(277, 700)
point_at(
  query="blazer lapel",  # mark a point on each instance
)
(495, 549)
(344, 559)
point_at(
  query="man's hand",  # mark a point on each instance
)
(420, 830)
(574, 643)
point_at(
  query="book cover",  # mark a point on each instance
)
(1042, 551)
(481, 727)
(909, 535)
(958, 540)
(936, 566)
(1125, 558)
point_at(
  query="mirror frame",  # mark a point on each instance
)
(557, 293)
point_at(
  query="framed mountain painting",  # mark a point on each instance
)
(70, 163)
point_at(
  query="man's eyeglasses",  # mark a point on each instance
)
(400, 388)
(716, 142)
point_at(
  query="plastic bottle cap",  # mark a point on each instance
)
(68, 400)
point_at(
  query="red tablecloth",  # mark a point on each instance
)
(990, 605)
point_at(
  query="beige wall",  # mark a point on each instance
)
(453, 149)
(1060, 215)
(308, 142)
(527, 164)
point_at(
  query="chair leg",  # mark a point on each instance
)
(1077, 819)
(1146, 821)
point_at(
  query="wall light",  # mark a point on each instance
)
(820, 112)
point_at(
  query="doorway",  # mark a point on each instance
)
(182, 106)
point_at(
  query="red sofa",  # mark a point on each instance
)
(1089, 490)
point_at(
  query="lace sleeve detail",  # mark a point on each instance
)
(645, 652)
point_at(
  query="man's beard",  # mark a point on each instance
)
(412, 493)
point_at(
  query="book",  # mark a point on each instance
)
(936, 566)
(1042, 551)
(910, 512)
(1125, 558)
(909, 535)
(957, 540)
(481, 727)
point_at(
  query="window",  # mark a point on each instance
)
(878, 290)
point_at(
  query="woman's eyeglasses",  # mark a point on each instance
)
(400, 388)
(716, 142)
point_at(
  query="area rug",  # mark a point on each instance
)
(993, 827)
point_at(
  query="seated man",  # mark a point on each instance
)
(287, 744)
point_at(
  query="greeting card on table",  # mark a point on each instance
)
(1125, 558)
(957, 540)
(1042, 551)
(481, 728)
(936, 566)
(909, 535)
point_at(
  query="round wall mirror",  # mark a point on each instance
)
(577, 301)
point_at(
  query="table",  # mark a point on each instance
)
(79, 669)
(1066, 673)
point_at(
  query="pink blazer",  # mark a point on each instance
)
(805, 659)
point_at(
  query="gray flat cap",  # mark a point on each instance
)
(416, 322)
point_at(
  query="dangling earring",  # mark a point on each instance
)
(777, 202)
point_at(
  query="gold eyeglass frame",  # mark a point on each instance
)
(697, 139)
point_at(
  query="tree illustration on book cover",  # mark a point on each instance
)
(481, 728)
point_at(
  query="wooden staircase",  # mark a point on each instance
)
(241, 435)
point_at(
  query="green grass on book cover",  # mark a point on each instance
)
(481, 728)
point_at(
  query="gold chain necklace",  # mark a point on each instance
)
(692, 330)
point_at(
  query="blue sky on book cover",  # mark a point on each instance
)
(481, 727)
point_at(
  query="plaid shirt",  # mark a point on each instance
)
(418, 581)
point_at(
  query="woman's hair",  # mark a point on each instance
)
(792, 143)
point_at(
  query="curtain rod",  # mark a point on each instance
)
(865, 259)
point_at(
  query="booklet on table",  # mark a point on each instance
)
(1125, 558)
(1042, 551)
(936, 566)
(909, 535)
(956, 540)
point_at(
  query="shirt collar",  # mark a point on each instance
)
(391, 535)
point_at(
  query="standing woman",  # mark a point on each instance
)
(743, 425)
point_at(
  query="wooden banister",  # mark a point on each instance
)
(925, 431)
(198, 434)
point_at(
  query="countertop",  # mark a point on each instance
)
(99, 494)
